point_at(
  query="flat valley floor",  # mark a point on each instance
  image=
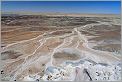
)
(60, 48)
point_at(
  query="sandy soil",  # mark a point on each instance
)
(31, 46)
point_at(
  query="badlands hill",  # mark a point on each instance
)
(54, 47)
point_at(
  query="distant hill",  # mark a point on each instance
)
(58, 14)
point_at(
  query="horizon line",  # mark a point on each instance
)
(34, 12)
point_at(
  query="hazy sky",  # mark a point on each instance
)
(96, 7)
